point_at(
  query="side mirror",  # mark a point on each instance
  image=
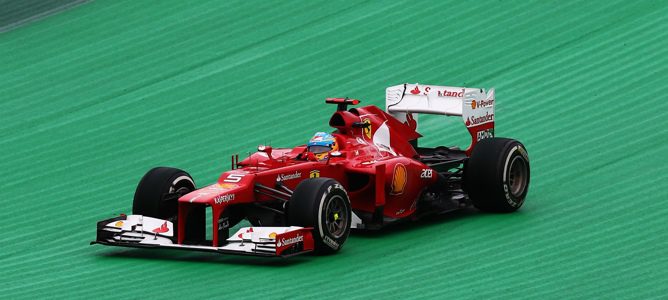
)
(265, 149)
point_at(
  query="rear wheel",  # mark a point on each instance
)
(322, 203)
(497, 175)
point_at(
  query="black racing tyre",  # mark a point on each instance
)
(158, 192)
(497, 175)
(322, 203)
(157, 196)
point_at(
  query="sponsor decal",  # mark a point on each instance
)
(367, 129)
(481, 103)
(416, 90)
(290, 241)
(215, 188)
(283, 177)
(506, 189)
(227, 186)
(272, 235)
(314, 174)
(223, 198)
(223, 223)
(479, 120)
(446, 93)
(511, 201)
(119, 224)
(335, 186)
(399, 179)
(330, 242)
(426, 173)
(233, 178)
(484, 134)
(162, 229)
(523, 152)
(401, 211)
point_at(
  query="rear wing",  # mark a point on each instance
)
(474, 105)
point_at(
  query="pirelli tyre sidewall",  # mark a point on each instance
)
(317, 203)
(497, 175)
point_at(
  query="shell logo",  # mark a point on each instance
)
(367, 129)
(399, 179)
(228, 185)
(272, 235)
(473, 104)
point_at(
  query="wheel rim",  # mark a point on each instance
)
(181, 187)
(170, 199)
(182, 191)
(336, 220)
(517, 176)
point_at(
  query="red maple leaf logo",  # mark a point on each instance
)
(415, 91)
(161, 229)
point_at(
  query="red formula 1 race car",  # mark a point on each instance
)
(367, 173)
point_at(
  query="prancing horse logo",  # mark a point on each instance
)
(367, 129)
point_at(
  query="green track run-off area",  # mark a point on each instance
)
(94, 96)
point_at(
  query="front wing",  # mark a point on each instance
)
(147, 232)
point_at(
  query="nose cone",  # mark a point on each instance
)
(212, 194)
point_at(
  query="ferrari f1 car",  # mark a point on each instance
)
(367, 173)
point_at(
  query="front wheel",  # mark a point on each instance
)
(158, 192)
(497, 175)
(322, 203)
(157, 196)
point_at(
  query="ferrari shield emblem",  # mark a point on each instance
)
(367, 129)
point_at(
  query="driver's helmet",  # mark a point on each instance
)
(321, 143)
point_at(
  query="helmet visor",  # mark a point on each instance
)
(319, 149)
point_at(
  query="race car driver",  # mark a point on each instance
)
(321, 144)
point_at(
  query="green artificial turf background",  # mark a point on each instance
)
(93, 97)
